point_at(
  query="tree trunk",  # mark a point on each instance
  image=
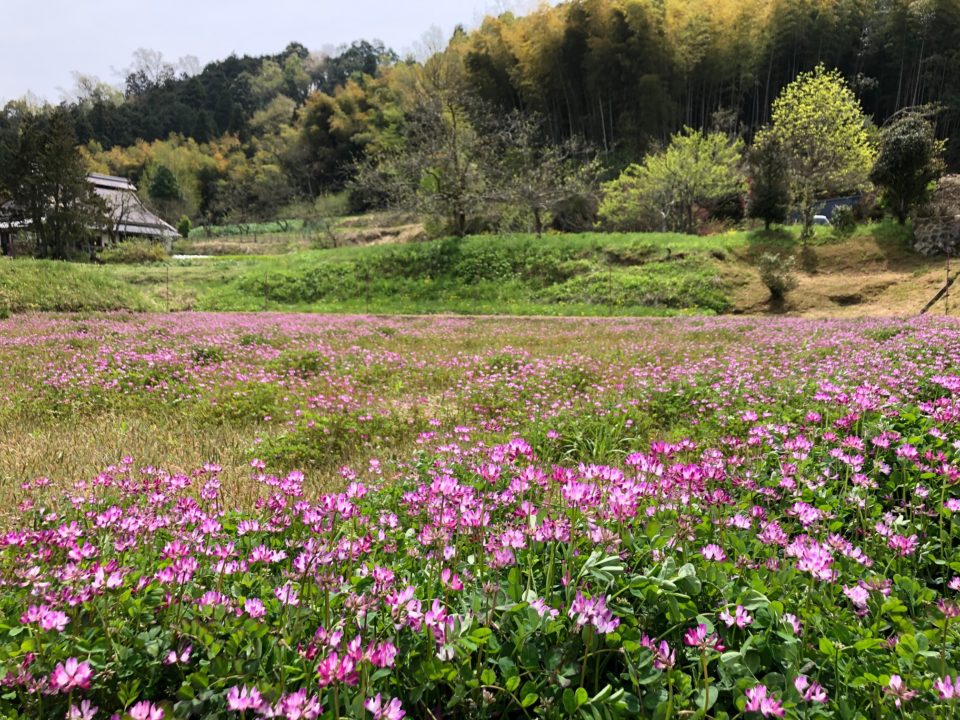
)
(537, 222)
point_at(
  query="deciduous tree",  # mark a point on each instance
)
(695, 170)
(819, 125)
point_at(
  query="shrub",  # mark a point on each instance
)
(776, 272)
(577, 213)
(844, 222)
(696, 170)
(134, 252)
(184, 227)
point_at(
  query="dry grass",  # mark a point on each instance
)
(864, 276)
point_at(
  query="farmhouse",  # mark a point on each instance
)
(129, 218)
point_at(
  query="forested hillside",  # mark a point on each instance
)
(247, 135)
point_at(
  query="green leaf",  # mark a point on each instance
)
(529, 699)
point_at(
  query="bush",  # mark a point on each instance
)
(844, 221)
(577, 213)
(134, 252)
(776, 272)
(184, 227)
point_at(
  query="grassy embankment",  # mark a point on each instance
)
(585, 274)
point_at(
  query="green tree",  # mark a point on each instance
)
(769, 186)
(823, 133)
(697, 170)
(165, 193)
(909, 161)
(164, 186)
(44, 177)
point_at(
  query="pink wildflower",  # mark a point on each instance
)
(71, 674)
(85, 711)
(389, 711)
(254, 607)
(811, 692)
(896, 689)
(713, 552)
(297, 706)
(758, 701)
(741, 618)
(287, 594)
(698, 637)
(145, 710)
(947, 687)
(243, 698)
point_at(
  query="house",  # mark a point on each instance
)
(129, 218)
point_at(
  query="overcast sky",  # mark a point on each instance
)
(43, 41)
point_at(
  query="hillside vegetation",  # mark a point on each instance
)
(873, 272)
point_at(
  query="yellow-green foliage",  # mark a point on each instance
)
(135, 251)
(824, 135)
(27, 285)
(696, 170)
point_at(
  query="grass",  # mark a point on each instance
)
(514, 274)
(28, 285)
(637, 274)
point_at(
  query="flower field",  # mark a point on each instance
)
(280, 516)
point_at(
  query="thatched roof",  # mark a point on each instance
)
(128, 213)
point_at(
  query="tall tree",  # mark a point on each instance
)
(819, 125)
(910, 159)
(769, 184)
(44, 177)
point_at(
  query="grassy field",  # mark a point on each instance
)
(585, 274)
(256, 515)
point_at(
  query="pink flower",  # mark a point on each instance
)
(71, 674)
(451, 579)
(698, 637)
(811, 692)
(857, 595)
(593, 612)
(254, 607)
(85, 711)
(948, 688)
(382, 655)
(391, 711)
(664, 657)
(297, 706)
(54, 620)
(540, 605)
(287, 594)
(896, 689)
(759, 701)
(145, 710)
(174, 658)
(949, 608)
(741, 618)
(794, 622)
(903, 545)
(243, 698)
(713, 552)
